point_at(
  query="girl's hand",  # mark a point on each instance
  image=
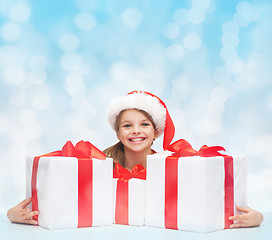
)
(248, 218)
(21, 214)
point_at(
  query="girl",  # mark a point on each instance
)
(138, 119)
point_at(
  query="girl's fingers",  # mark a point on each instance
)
(30, 221)
(238, 225)
(242, 209)
(31, 214)
(24, 203)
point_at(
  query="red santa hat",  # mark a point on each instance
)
(149, 103)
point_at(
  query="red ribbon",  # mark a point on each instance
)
(84, 152)
(123, 175)
(182, 148)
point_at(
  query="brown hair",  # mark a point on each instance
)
(116, 151)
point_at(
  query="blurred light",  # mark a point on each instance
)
(175, 52)
(20, 12)
(192, 41)
(219, 94)
(121, 72)
(5, 122)
(85, 21)
(235, 64)
(17, 97)
(230, 27)
(228, 53)
(27, 117)
(38, 61)
(86, 5)
(230, 39)
(222, 74)
(41, 101)
(68, 42)
(257, 61)
(14, 75)
(181, 16)
(74, 85)
(181, 88)
(71, 62)
(203, 4)
(213, 124)
(10, 31)
(132, 17)
(170, 30)
(196, 15)
(9, 54)
(240, 21)
(81, 105)
(247, 11)
(37, 75)
(34, 131)
(269, 101)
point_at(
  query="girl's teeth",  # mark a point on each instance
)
(136, 139)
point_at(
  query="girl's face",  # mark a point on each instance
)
(136, 131)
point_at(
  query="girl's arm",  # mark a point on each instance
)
(21, 214)
(248, 218)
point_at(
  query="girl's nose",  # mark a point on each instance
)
(136, 130)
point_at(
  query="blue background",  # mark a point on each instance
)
(61, 62)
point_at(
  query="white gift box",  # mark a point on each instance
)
(201, 193)
(136, 201)
(57, 191)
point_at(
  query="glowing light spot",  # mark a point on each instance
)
(74, 85)
(132, 17)
(14, 75)
(227, 53)
(257, 61)
(230, 27)
(10, 31)
(170, 30)
(222, 74)
(38, 61)
(41, 101)
(20, 12)
(247, 11)
(68, 42)
(196, 15)
(240, 21)
(86, 5)
(37, 75)
(85, 21)
(27, 117)
(34, 131)
(71, 62)
(17, 97)
(202, 4)
(175, 52)
(181, 16)
(235, 65)
(192, 41)
(121, 71)
(230, 39)
(4, 126)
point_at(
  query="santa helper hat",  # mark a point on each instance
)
(149, 103)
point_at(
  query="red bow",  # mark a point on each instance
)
(138, 171)
(80, 150)
(184, 149)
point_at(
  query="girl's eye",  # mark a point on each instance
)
(145, 124)
(127, 125)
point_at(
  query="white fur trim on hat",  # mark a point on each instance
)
(141, 101)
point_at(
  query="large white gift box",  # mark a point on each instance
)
(200, 192)
(129, 195)
(71, 192)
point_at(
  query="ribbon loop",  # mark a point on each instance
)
(184, 149)
(122, 173)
